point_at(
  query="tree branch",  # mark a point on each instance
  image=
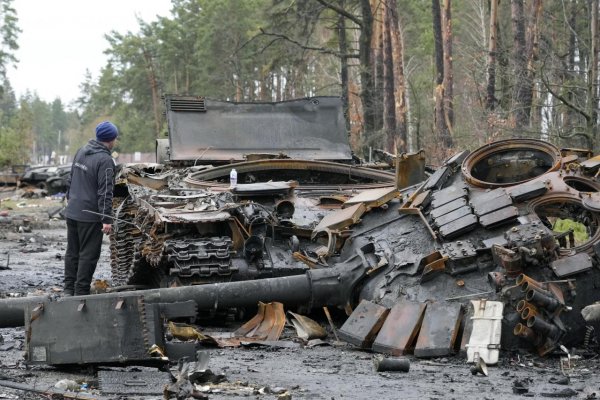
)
(341, 11)
(302, 46)
(560, 97)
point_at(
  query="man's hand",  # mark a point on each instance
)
(106, 228)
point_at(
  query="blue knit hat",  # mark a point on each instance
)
(106, 132)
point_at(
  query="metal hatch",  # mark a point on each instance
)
(210, 130)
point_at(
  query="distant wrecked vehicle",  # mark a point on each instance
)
(52, 178)
(57, 182)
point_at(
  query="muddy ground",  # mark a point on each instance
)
(36, 244)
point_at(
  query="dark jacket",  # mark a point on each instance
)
(90, 184)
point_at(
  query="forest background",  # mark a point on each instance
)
(413, 74)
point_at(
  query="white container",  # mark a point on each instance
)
(233, 178)
(484, 342)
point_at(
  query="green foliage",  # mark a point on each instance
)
(271, 50)
(9, 33)
(13, 151)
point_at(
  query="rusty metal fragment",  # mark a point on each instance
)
(362, 326)
(340, 219)
(400, 329)
(307, 328)
(267, 324)
(422, 200)
(591, 164)
(410, 169)
(439, 330)
(372, 198)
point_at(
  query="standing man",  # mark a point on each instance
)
(89, 188)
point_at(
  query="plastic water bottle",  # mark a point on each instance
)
(233, 178)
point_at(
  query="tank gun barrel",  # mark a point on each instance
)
(317, 287)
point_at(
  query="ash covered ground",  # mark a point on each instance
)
(32, 246)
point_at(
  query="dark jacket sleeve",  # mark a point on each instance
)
(106, 183)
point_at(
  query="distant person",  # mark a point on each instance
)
(89, 208)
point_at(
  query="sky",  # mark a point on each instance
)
(60, 39)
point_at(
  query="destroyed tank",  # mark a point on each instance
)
(181, 222)
(416, 262)
(514, 222)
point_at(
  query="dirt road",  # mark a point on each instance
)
(32, 246)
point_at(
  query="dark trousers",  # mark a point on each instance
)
(84, 241)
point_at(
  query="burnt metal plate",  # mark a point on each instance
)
(101, 330)
(133, 382)
(477, 199)
(447, 195)
(182, 309)
(363, 324)
(528, 191)
(446, 208)
(439, 330)
(457, 159)
(310, 129)
(452, 216)
(438, 178)
(499, 217)
(493, 204)
(400, 329)
(571, 265)
(459, 226)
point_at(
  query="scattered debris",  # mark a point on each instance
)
(391, 364)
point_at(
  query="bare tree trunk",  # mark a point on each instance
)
(568, 114)
(520, 112)
(447, 38)
(532, 43)
(377, 48)
(343, 45)
(491, 64)
(389, 112)
(592, 122)
(400, 98)
(366, 74)
(153, 81)
(441, 129)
